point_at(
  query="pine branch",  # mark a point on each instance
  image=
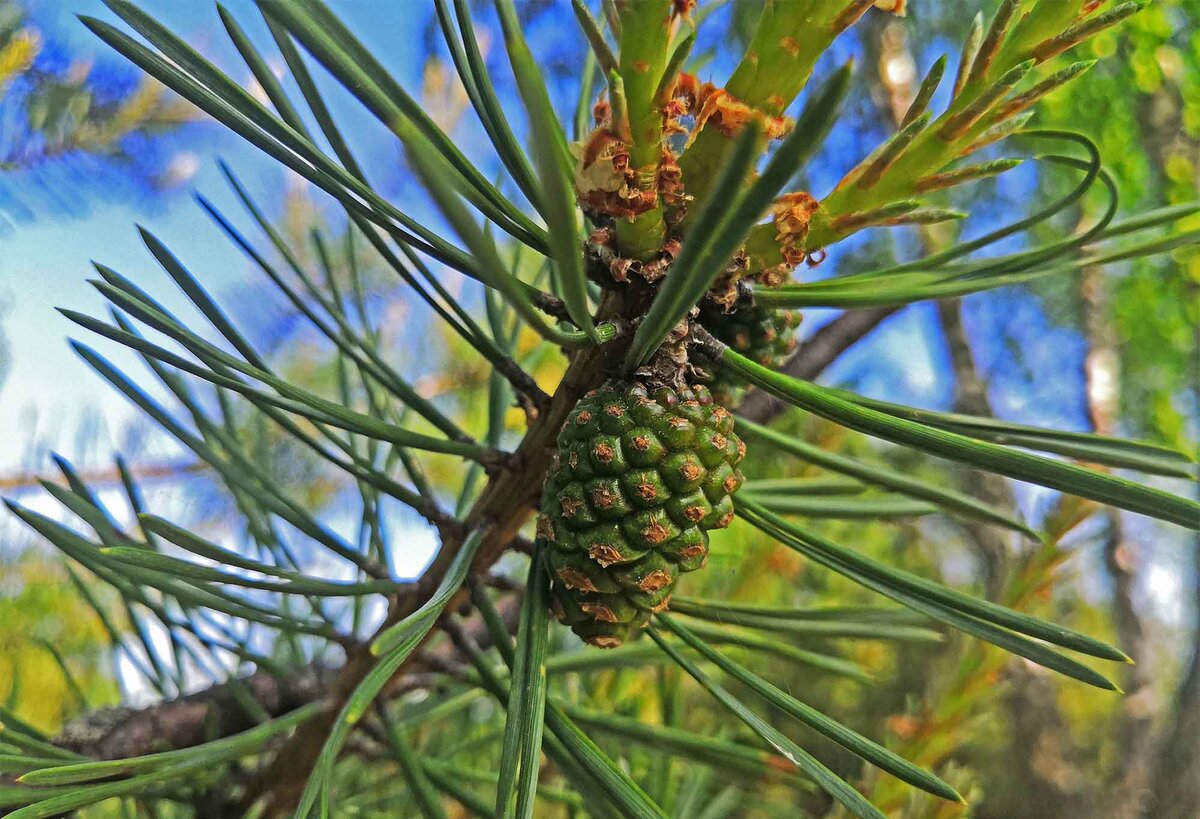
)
(510, 498)
(223, 710)
(165, 471)
(118, 732)
(423, 634)
(814, 356)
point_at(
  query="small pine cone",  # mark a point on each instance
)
(639, 478)
(761, 334)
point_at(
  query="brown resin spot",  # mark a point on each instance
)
(573, 460)
(600, 612)
(780, 763)
(775, 276)
(690, 470)
(657, 579)
(719, 441)
(693, 550)
(614, 411)
(600, 112)
(691, 402)
(695, 513)
(641, 443)
(583, 417)
(656, 533)
(604, 453)
(545, 529)
(646, 491)
(570, 506)
(730, 484)
(720, 413)
(725, 520)
(741, 341)
(604, 641)
(741, 448)
(575, 579)
(678, 423)
(641, 66)
(604, 554)
(663, 606)
(603, 497)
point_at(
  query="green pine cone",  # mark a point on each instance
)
(638, 479)
(761, 334)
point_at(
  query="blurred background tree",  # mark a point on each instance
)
(62, 118)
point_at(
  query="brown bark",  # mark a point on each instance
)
(1053, 781)
(1134, 733)
(119, 733)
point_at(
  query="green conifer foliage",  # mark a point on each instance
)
(665, 240)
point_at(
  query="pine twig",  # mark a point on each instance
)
(507, 502)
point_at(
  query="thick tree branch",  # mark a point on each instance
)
(122, 732)
(815, 355)
(509, 499)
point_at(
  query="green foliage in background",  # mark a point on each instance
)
(1154, 63)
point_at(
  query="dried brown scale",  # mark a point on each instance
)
(607, 267)
(712, 105)
(606, 183)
